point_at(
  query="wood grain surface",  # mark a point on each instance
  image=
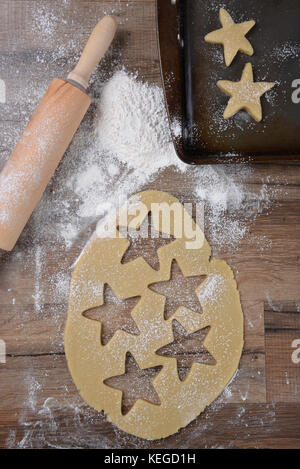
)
(39, 405)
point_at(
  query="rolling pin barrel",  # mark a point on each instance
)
(46, 138)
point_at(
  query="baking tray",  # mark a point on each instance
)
(191, 68)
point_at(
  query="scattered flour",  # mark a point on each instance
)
(2, 92)
(37, 297)
(286, 51)
(212, 289)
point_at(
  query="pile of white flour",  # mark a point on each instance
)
(131, 145)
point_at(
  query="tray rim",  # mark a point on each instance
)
(168, 12)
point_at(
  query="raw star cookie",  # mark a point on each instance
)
(245, 94)
(155, 367)
(232, 36)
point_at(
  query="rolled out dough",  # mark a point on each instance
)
(91, 363)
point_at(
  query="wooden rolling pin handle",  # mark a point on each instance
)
(94, 50)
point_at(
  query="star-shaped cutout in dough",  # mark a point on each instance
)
(179, 291)
(245, 94)
(135, 383)
(114, 314)
(187, 349)
(232, 36)
(144, 242)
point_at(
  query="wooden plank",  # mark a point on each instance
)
(49, 413)
(273, 273)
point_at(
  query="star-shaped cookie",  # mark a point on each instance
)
(245, 94)
(179, 291)
(114, 314)
(144, 242)
(232, 36)
(187, 349)
(135, 383)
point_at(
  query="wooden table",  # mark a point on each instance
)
(39, 404)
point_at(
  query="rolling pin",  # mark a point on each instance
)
(47, 137)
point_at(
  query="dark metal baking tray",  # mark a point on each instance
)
(191, 68)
